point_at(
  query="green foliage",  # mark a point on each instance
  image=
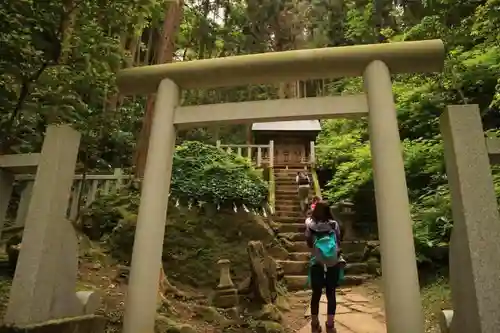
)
(203, 173)
(436, 296)
(470, 32)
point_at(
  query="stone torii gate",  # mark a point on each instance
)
(375, 63)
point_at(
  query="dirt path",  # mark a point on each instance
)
(357, 312)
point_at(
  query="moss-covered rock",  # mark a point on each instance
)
(167, 325)
(194, 242)
(269, 312)
(282, 303)
(266, 326)
(209, 314)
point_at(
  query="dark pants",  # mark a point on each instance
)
(327, 280)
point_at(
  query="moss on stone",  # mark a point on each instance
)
(167, 325)
(270, 312)
(266, 326)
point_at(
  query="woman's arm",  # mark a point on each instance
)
(336, 229)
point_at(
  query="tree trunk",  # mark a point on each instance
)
(165, 54)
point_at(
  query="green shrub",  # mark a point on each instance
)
(203, 173)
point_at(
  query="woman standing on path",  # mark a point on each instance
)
(323, 237)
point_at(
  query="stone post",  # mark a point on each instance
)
(6, 183)
(45, 280)
(474, 245)
(226, 295)
(140, 312)
(403, 305)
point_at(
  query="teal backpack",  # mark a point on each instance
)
(325, 252)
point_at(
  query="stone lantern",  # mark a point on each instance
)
(346, 212)
(226, 294)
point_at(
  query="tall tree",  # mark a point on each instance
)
(165, 54)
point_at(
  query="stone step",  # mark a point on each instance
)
(353, 257)
(353, 246)
(298, 247)
(286, 195)
(291, 170)
(291, 167)
(301, 267)
(289, 219)
(294, 216)
(347, 246)
(294, 267)
(286, 186)
(288, 201)
(288, 190)
(298, 282)
(300, 256)
(279, 207)
(285, 179)
(293, 236)
(291, 176)
(282, 210)
(291, 227)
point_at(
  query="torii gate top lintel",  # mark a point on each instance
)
(275, 67)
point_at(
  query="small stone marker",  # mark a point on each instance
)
(226, 295)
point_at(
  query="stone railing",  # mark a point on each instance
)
(272, 191)
(85, 190)
(316, 187)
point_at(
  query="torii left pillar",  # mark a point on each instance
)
(143, 286)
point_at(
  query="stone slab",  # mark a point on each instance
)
(340, 299)
(340, 328)
(343, 306)
(342, 309)
(364, 308)
(356, 298)
(361, 323)
(81, 324)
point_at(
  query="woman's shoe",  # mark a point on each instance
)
(330, 328)
(315, 327)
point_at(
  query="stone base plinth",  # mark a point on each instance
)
(82, 324)
(225, 298)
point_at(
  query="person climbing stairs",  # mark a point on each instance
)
(291, 222)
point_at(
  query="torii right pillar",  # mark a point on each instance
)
(403, 305)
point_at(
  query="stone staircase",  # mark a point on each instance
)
(291, 230)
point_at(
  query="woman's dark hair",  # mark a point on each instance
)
(322, 212)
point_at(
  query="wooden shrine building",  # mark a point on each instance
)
(293, 140)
